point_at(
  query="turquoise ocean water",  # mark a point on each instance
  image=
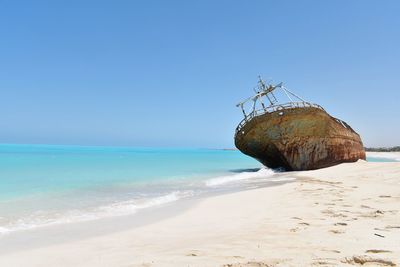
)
(42, 185)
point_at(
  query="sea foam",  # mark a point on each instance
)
(385, 155)
(262, 173)
(129, 207)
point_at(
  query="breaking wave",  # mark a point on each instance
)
(262, 173)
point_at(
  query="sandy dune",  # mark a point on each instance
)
(347, 215)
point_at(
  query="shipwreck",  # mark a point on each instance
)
(293, 135)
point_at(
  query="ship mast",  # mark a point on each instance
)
(264, 90)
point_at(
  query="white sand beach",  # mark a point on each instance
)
(347, 215)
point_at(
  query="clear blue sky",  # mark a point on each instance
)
(169, 73)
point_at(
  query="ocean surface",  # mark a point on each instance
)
(43, 185)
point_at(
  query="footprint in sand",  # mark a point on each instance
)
(328, 211)
(345, 211)
(365, 207)
(339, 215)
(361, 260)
(336, 231)
(379, 229)
(333, 213)
(248, 264)
(373, 214)
(324, 261)
(193, 253)
(375, 251)
(392, 227)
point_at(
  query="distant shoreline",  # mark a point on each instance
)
(368, 149)
(383, 149)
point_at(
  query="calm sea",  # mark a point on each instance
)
(45, 184)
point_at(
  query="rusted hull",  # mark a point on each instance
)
(304, 138)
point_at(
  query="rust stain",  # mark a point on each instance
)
(299, 139)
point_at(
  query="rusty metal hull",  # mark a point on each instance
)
(303, 138)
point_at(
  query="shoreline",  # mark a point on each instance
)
(395, 156)
(77, 230)
(327, 217)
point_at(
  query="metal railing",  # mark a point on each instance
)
(274, 108)
(344, 124)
